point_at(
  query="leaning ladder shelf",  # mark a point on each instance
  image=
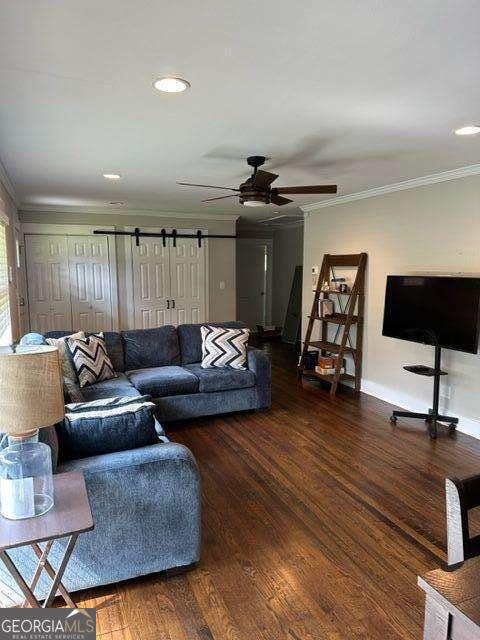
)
(352, 312)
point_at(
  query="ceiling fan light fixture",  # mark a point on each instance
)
(253, 200)
(171, 85)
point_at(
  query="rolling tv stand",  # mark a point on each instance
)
(432, 417)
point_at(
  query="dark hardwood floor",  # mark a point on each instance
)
(317, 517)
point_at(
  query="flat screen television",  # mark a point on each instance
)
(436, 310)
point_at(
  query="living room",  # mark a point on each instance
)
(239, 320)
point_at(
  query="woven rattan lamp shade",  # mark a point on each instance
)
(31, 394)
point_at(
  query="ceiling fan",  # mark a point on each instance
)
(257, 192)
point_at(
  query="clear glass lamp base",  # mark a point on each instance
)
(26, 481)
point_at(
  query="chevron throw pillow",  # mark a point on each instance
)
(224, 347)
(90, 359)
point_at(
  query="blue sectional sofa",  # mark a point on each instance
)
(146, 502)
(165, 364)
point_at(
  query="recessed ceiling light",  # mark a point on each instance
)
(171, 85)
(117, 203)
(112, 176)
(469, 130)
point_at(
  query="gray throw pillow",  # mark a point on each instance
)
(105, 426)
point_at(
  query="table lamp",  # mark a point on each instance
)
(31, 397)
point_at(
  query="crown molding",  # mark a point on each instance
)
(444, 176)
(7, 183)
(153, 213)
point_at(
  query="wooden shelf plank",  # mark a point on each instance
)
(336, 318)
(343, 293)
(330, 346)
(327, 378)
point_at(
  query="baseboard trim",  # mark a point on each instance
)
(466, 425)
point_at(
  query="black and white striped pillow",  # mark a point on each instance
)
(90, 359)
(224, 347)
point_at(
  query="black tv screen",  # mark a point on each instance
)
(436, 310)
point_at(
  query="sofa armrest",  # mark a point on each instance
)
(259, 363)
(146, 506)
(159, 454)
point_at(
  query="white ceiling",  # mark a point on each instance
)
(359, 93)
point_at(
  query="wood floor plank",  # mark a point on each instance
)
(317, 517)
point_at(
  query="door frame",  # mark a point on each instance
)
(39, 229)
(268, 282)
(128, 243)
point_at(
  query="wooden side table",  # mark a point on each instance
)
(452, 602)
(70, 516)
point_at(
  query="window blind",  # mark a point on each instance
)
(5, 323)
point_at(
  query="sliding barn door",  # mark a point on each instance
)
(168, 282)
(151, 283)
(48, 283)
(187, 276)
(89, 271)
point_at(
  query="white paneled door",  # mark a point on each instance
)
(168, 282)
(90, 293)
(48, 283)
(69, 285)
(151, 283)
(187, 274)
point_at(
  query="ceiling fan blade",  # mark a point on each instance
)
(316, 188)
(278, 200)
(209, 186)
(234, 195)
(263, 179)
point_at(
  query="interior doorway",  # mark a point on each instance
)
(254, 281)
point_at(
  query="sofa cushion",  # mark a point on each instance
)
(190, 339)
(106, 426)
(221, 379)
(146, 348)
(113, 340)
(164, 381)
(119, 386)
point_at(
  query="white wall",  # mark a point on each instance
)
(287, 254)
(434, 228)
(221, 252)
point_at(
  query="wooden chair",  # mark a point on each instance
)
(461, 496)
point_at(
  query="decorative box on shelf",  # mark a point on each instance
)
(327, 365)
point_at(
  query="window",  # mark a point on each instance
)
(5, 323)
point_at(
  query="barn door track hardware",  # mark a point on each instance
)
(137, 234)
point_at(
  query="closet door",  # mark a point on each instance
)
(151, 283)
(187, 269)
(48, 283)
(89, 270)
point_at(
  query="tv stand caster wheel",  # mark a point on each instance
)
(432, 435)
(452, 426)
(393, 419)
